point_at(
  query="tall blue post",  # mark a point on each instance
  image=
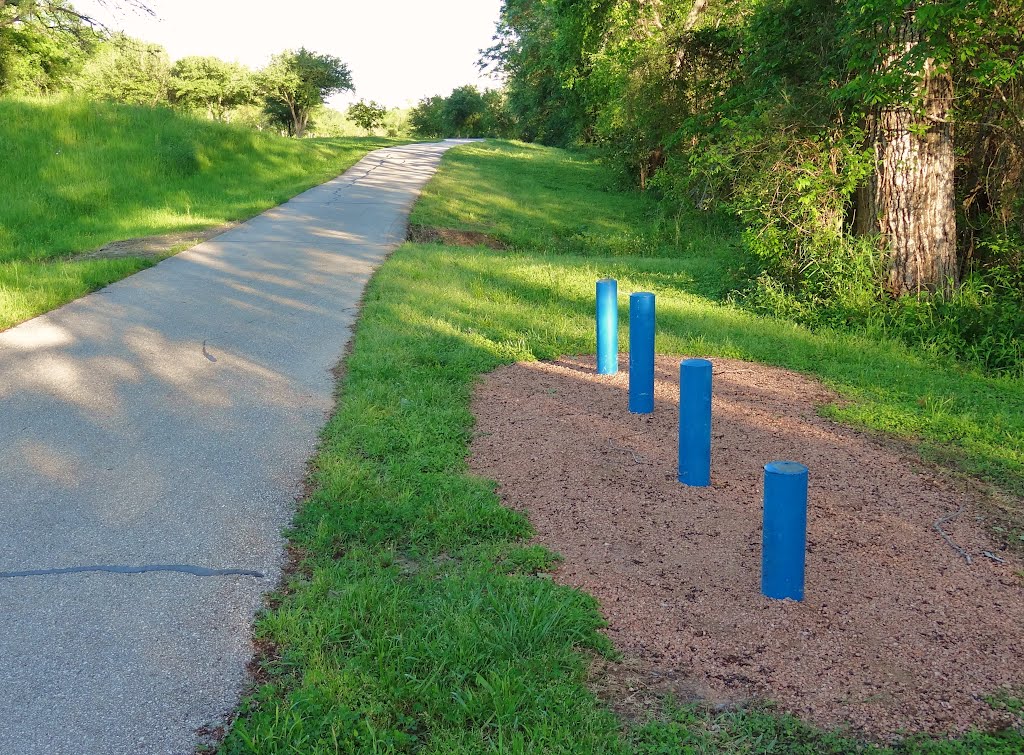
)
(784, 536)
(641, 353)
(695, 422)
(607, 326)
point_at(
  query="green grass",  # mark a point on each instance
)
(969, 419)
(417, 620)
(28, 289)
(78, 174)
(757, 731)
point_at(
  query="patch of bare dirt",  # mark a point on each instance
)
(897, 632)
(155, 246)
(425, 234)
(636, 690)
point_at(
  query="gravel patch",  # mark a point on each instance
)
(897, 634)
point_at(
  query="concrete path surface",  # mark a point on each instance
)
(167, 420)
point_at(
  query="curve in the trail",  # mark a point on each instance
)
(168, 419)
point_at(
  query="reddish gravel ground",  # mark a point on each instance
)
(897, 633)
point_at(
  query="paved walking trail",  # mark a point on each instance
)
(167, 420)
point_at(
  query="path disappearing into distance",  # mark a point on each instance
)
(167, 420)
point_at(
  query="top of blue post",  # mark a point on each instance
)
(695, 363)
(785, 467)
(641, 295)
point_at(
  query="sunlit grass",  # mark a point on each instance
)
(418, 620)
(28, 289)
(78, 174)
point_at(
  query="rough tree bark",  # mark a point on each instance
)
(910, 200)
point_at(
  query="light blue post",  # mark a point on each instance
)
(641, 353)
(695, 422)
(607, 326)
(784, 536)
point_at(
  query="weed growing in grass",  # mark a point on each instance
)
(1009, 702)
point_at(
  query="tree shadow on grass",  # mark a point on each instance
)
(529, 306)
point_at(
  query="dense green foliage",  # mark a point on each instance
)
(759, 110)
(43, 45)
(369, 116)
(297, 82)
(417, 619)
(211, 86)
(48, 48)
(77, 174)
(126, 70)
(466, 112)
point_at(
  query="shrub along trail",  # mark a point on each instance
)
(419, 618)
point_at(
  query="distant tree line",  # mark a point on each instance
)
(47, 47)
(872, 150)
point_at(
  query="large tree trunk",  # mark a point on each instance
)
(910, 200)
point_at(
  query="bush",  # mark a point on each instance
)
(466, 112)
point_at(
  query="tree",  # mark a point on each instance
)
(127, 70)
(42, 45)
(298, 81)
(464, 111)
(367, 115)
(427, 118)
(545, 51)
(211, 84)
(59, 13)
(498, 120)
(910, 199)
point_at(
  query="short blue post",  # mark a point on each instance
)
(695, 422)
(784, 536)
(641, 353)
(607, 326)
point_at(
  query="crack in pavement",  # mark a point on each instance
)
(139, 451)
(198, 571)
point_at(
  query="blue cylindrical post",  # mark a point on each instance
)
(695, 422)
(607, 326)
(641, 353)
(784, 536)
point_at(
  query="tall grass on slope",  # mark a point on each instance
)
(76, 174)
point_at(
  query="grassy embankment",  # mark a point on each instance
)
(417, 620)
(76, 174)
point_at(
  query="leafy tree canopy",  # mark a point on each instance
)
(42, 45)
(211, 85)
(367, 115)
(465, 112)
(127, 70)
(298, 81)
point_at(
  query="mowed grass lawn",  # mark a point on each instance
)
(78, 174)
(417, 620)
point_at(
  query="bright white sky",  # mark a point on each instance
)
(398, 50)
